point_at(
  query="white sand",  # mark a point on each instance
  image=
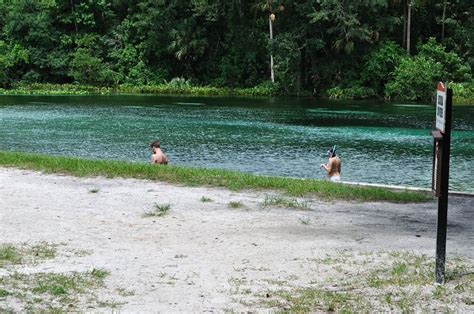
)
(190, 259)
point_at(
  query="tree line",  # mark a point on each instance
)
(347, 48)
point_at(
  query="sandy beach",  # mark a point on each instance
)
(204, 255)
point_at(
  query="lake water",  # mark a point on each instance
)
(378, 142)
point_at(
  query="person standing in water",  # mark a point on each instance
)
(158, 157)
(333, 167)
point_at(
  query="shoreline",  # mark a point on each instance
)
(50, 89)
(233, 180)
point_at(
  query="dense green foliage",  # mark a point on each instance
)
(351, 49)
(200, 176)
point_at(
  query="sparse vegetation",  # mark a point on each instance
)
(57, 284)
(50, 292)
(99, 273)
(20, 254)
(211, 177)
(235, 204)
(125, 292)
(205, 199)
(159, 210)
(96, 190)
(272, 200)
(110, 304)
(384, 281)
(305, 221)
(9, 255)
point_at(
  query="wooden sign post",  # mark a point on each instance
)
(440, 183)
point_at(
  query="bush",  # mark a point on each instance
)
(453, 67)
(354, 92)
(414, 79)
(179, 82)
(335, 93)
(463, 93)
(263, 89)
(380, 64)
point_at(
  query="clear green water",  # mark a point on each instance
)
(378, 142)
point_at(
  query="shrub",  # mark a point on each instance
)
(335, 93)
(463, 92)
(380, 64)
(179, 82)
(453, 67)
(354, 92)
(414, 79)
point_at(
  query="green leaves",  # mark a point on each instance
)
(317, 44)
(414, 79)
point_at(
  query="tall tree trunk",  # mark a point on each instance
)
(410, 3)
(270, 24)
(442, 21)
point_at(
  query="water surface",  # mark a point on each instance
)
(378, 142)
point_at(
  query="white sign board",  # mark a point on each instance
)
(440, 106)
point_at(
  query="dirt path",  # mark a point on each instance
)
(193, 258)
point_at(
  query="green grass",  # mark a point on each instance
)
(93, 191)
(191, 176)
(9, 255)
(45, 292)
(20, 254)
(205, 199)
(158, 210)
(235, 204)
(163, 89)
(99, 273)
(57, 284)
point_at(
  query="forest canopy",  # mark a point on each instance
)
(348, 48)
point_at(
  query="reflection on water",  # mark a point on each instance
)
(378, 142)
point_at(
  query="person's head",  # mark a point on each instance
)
(332, 152)
(154, 145)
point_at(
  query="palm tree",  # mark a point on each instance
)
(268, 6)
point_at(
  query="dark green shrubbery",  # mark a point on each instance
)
(354, 92)
(391, 73)
(414, 79)
(380, 64)
(463, 92)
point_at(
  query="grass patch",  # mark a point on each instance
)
(99, 273)
(271, 200)
(235, 204)
(23, 253)
(45, 292)
(191, 176)
(43, 250)
(9, 255)
(205, 199)
(38, 291)
(125, 292)
(159, 210)
(93, 191)
(380, 282)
